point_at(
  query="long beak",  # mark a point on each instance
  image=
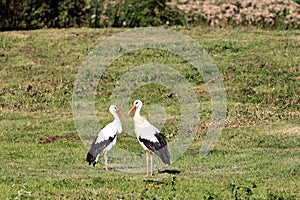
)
(120, 114)
(131, 109)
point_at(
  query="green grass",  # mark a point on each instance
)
(256, 157)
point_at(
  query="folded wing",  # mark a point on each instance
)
(105, 137)
(152, 139)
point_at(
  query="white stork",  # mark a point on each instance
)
(149, 137)
(106, 138)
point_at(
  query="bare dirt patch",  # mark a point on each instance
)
(284, 130)
(55, 138)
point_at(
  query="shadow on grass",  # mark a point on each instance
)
(169, 171)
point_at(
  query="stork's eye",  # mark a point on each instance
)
(116, 108)
(136, 102)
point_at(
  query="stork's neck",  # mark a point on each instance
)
(137, 113)
(117, 121)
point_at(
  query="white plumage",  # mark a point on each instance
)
(149, 136)
(106, 138)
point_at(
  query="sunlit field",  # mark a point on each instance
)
(256, 157)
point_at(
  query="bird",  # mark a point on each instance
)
(150, 138)
(106, 138)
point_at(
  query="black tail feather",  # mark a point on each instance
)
(164, 155)
(91, 159)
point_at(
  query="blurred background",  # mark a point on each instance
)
(36, 14)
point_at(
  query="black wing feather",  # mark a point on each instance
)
(160, 148)
(97, 148)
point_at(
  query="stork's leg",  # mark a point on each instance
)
(147, 158)
(150, 163)
(105, 160)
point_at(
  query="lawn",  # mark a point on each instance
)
(256, 157)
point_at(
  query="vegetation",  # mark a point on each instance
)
(24, 14)
(256, 157)
(281, 14)
(34, 14)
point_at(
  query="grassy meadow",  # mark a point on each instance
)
(256, 157)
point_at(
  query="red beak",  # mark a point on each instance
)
(131, 109)
(120, 114)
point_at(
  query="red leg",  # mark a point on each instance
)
(150, 163)
(105, 160)
(147, 162)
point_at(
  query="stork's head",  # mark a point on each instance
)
(137, 104)
(114, 109)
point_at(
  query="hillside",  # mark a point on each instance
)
(256, 156)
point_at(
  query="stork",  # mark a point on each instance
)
(149, 137)
(106, 138)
